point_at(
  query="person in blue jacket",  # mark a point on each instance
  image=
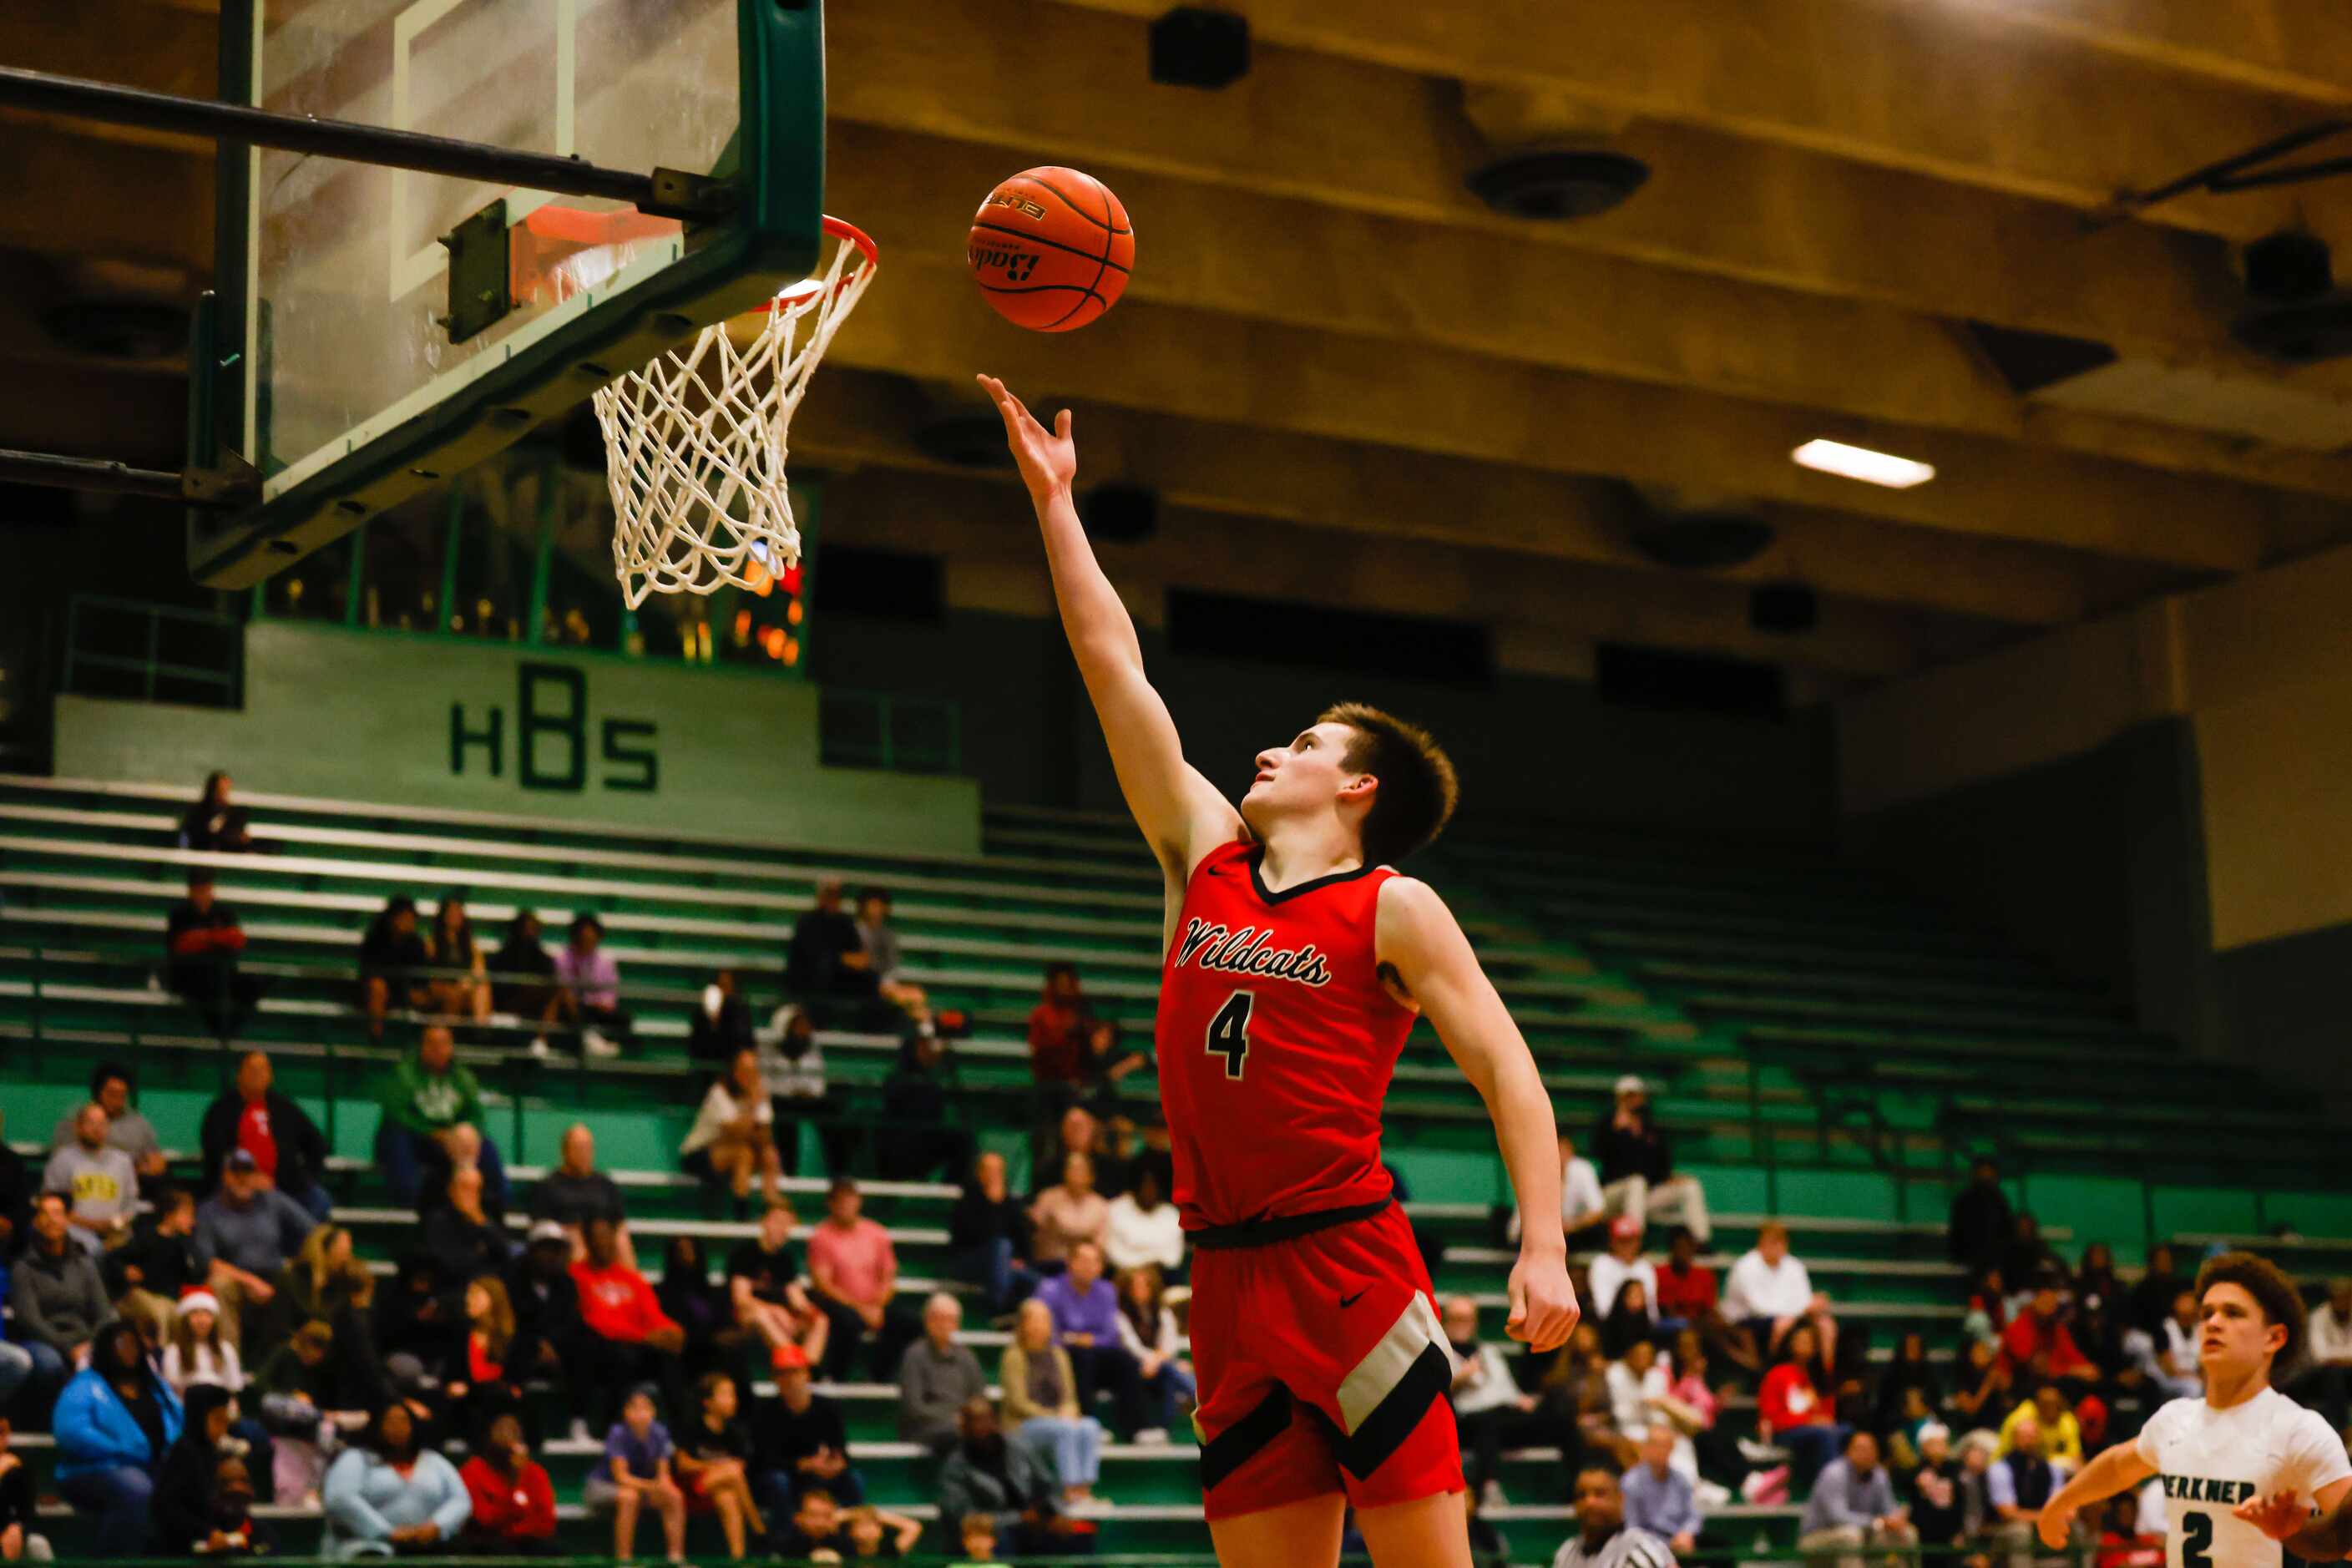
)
(113, 1423)
(387, 1495)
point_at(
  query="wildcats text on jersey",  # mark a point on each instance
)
(1248, 951)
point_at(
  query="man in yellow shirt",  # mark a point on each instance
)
(2061, 1435)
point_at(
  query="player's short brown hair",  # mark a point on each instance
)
(1417, 786)
(2272, 1291)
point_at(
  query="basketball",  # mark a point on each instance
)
(1052, 248)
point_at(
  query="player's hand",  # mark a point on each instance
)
(2053, 1526)
(2279, 1516)
(1543, 1303)
(1048, 458)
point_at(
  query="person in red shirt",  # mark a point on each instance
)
(637, 1340)
(514, 1503)
(1058, 1028)
(1795, 1415)
(201, 939)
(2037, 1342)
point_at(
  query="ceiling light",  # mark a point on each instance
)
(1862, 463)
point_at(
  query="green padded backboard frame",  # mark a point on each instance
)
(775, 233)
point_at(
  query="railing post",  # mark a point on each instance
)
(154, 651)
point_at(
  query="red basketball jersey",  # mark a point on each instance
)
(1277, 1043)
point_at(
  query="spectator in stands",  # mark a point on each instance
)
(1625, 1320)
(551, 1338)
(732, 1142)
(937, 1378)
(2047, 1413)
(1041, 1406)
(1147, 1329)
(1692, 1406)
(1107, 1065)
(215, 823)
(2130, 1399)
(300, 1402)
(636, 1475)
(1077, 1131)
(196, 1355)
(879, 1534)
(326, 1283)
(1637, 1168)
(1142, 1228)
(17, 1187)
(1604, 1539)
(803, 1442)
(2028, 1257)
(59, 1300)
(1490, 1411)
(634, 1341)
(513, 1500)
(111, 1091)
(880, 940)
(1638, 1382)
(202, 940)
(113, 1425)
(815, 1531)
(462, 1235)
(462, 988)
(2175, 1363)
(1610, 1273)
(590, 989)
(855, 1271)
(2160, 1285)
(392, 961)
(522, 977)
(917, 1141)
(765, 1292)
(791, 1064)
(1057, 1030)
(419, 1328)
(1066, 1214)
(1581, 1207)
(16, 1366)
(2037, 1341)
(1659, 1497)
(2018, 1484)
(1085, 1313)
(180, 1511)
(1792, 1408)
(19, 1542)
(389, 1494)
(2327, 1385)
(720, 1023)
(1853, 1506)
(428, 1097)
(1983, 1223)
(1934, 1493)
(692, 1301)
(99, 1180)
(250, 1231)
(287, 1149)
(827, 965)
(988, 1235)
(1910, 1373)
(161, 1262)
(987, 1478)
(1983, 1387)
(713, 1464)
(576, 1192)
(1770, 1293)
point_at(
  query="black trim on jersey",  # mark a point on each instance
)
(1392, 1420)
(1243, 1441)
(1257, 878)
(1288, 1227)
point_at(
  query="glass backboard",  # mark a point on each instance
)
(336, 371)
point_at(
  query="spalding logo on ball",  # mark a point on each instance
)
(1051, 249)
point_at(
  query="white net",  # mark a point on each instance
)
(695, 442)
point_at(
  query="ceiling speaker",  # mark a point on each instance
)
(1557, 184)
(1194, 45)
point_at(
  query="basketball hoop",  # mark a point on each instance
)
(695, 442)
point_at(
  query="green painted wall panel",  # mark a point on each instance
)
(422, 720)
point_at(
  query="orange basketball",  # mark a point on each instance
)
(1052, 248)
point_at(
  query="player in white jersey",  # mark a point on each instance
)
(2241, 1441)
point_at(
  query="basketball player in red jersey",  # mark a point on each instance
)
(1295, 965)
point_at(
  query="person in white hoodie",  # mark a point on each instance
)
(1145, 1229)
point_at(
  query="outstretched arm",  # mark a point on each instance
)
(1181, 813)
(1418, 936)
(2120, 1468)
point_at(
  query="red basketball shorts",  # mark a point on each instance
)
(1322, 1369)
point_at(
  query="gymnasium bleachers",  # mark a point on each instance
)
(1822, 1047)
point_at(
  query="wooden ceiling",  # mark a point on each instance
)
(1330, 345)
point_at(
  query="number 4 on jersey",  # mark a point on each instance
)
(1229, 1032)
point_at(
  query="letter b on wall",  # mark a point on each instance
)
(551, 749)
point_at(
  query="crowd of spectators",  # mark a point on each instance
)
(198, 1349)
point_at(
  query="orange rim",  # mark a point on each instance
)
(846, 232)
